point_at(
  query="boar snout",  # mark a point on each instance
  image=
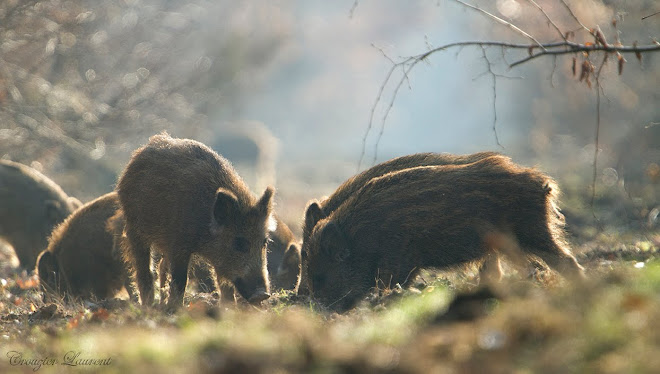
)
(253, 290)
(259, 296)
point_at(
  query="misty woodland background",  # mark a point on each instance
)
(285, 90)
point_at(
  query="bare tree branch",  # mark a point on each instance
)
(576, 47)
(534, 50)
(549, 49)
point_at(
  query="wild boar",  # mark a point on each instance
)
(434, 217)
(31, 205)
(283, 258)
(288, 273)
(317, 210)
(181, 198)
(81, 259)
(284, 263)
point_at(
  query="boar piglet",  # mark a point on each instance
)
(181, 198)
(31, 206)
(317, 210)
(283, 258)
(434, 217)
(81, 259)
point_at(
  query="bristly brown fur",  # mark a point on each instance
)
(181, 198)
(435, 217)
(353, 184)
(317, 210)
(31, 206)
(81, 259)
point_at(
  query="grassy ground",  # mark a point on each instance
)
(445, 324)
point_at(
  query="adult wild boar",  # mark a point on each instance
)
(81, 259)
(31, 205)
(181, 198)
(434, 217)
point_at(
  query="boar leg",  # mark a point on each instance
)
(163, 271)
(227, 290)
(179, 273)
(205, 276)
(140, 253)
(132, 292)
(127, 280)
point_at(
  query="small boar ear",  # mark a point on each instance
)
(225, 207)
(265, 203)
(46, 264)
(313, 214)
(292, 256)
(333, 242)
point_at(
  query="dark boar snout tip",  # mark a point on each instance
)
(259, 296)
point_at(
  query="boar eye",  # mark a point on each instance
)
(241, 245)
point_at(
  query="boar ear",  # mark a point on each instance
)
(313, 214)
(265, 203)
(225, 207)
(46, 264)
(292, 256)
(333, 242)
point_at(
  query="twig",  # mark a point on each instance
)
(554, 70)
(570, 11)
(408, 276)
(338, 300)
(404, 78)
(352, 11)
(596, 136)
(650, 15)
(373, 110)
(561, 34)
(501, 21)
(494, 77)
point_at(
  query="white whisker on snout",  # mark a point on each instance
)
(338, 300)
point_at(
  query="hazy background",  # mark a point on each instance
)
(285, 89)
